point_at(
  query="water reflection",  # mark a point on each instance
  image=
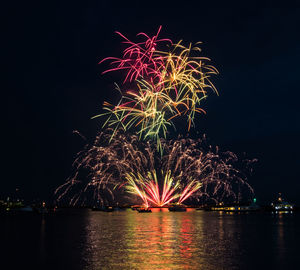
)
(159, 240)
(83, 239)
(282, 220)
(42, 239)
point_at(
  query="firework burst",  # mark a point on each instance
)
(132, 169)
(138, 58)
(162, 81)
(148, 188)
(164, 84)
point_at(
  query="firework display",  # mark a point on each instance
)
(147, 188)
(159, 85)
(125, 165)
(162, 81)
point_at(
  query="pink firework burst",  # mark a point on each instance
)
(138, 59)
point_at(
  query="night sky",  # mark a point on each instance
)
(53, 85)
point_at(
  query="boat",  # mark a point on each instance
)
(281, 205)
(135, 207)
(108, 209)
(42, 209)
(103, 208)
(144, 210)
(119, 209)
(177, 208)
(96, 209)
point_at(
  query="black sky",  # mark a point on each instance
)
(53, 84)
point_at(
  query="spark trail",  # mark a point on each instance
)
(133, 170)
(163, 81)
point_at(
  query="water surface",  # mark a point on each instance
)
(83, 239)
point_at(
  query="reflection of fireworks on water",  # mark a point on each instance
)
(125, 165)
